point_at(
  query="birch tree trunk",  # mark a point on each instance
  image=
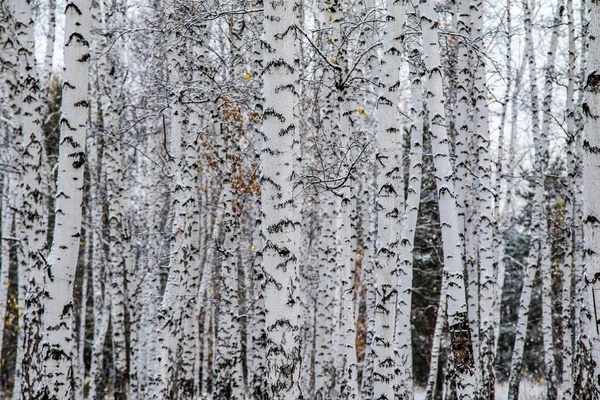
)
(591, 198)
(57, 350)
(281, 222)
(519, 346)
(390, 205)
(80, 339)
(525, 299)
(109, 72)
(33, 227)
(460, 332)
(540, 238)
(176, 313)
(8, 217)
(487, 219)
(229, 380)
(465, 169)
(403, 336)
(502, 197)
(566, 388)
(50, 36)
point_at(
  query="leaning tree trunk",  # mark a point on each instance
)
(460, 332)
(519, 346)
(281, 222)
(57, 350)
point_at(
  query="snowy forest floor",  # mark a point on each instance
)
(528, 390)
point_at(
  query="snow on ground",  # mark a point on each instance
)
(529, 390)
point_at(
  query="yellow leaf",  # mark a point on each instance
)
(361, 112)
(179, 229)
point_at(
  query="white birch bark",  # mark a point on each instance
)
(205, 295)
(229, 382)
(57, 351)
(582, 369)
(460, 332)
(436, 343)
(100, 298)
(50, 36)
(390, 204)
(345, 363)
(519, 346)
(80, 339)
(151, 282)
(33, 227)
(368, 268)
(281, 223)
(487, 218)
(566, 388)
(176, 315)
(540, 238)
(403, 335)
(12, 81)
(9, 178)
(8, 185)
(466, 173)
(501, 183)
(324, 313)
(111, 108)
(591, 199)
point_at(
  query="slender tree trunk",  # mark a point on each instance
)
(8, 217)
(176, 375)
(390, 206)
(403, 336)
(80, 373)
(487, 219)
(111, 105)
(229, 382)
(50, 36)
(33, 226)
(57, 351)
(460, 333)
(519, 346)
(436, 342)
(465, 169)
(502, 196)
(540, 238)
(566, 389)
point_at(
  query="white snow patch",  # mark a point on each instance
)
(528, 390)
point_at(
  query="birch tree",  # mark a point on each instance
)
(57, 351)
(281, 224)
(390, 204)
(591, 152)
(460, 333)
